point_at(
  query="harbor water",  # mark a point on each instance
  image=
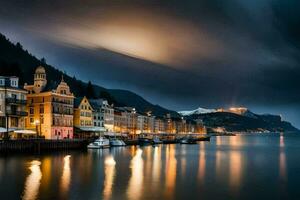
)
(237, 167)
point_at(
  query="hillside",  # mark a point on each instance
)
(247, 123)
(15, 60)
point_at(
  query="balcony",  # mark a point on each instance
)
(10, 100)
(62, 112)
(16, 113)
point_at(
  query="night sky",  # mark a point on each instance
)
(179, 54)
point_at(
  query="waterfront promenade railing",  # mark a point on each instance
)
(38, 145)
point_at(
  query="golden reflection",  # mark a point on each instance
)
(282, 165)
(156, 165)
(66, 175)
(183, 161)
(202, 162)
(134, 190)
(46, 171)
(218, 140)
(171, 166)
(235, 169)
(282, 159)
(110, 164)
(235, 140)
(132, 150)
(33, 181)
(218, 163)
(281, 143)
(148, 164)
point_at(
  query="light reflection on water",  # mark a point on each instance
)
(202, 163)
(282, 159)
(170, 171)
(233, 165)
(66, 176)
(32, 183)
(156, 172)
(110, 164)
(135, 185)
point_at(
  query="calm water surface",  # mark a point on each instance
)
(241, 167)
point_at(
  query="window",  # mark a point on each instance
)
(41, 108)
(31, 110)
(31, 120)
(95, 124)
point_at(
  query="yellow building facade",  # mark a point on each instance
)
(83, 113)
(50, 111)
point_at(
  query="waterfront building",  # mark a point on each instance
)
(170, 124)
(49, 107)
(180, 125)
(12, 104)
(120, 124)
(125, 120)
(130, 116)
(84, 119)
(141, 124)
(199, 127)
(145, 124)
(103, 114)
(159, 125)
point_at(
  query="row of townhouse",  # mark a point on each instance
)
(55, 113)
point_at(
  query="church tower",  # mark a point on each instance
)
(40, 80)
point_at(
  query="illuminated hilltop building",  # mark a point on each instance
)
(50, 110)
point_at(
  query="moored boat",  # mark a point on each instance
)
(203, 138)
(144, 141)
(114, 142)
(156, 140)
(100, 143)
(188, 141)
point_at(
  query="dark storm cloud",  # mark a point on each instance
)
(197, 53)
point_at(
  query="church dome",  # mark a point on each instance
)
(40, 70)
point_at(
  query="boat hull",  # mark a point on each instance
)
(144, 141)
(97, 147)
(117, 143)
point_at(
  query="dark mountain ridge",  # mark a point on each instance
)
(247, 122)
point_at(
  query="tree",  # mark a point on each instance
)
(43, 61)
(19, 46)
(90, 93)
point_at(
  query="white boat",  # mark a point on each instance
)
(114, 142)
(156, 140)
(100, 143)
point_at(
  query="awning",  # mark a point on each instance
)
(92, 129)
(29, 132)
(114, 134)
(4, 130)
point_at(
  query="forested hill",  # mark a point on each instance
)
(15, 60)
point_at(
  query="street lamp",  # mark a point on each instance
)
(36, 123)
